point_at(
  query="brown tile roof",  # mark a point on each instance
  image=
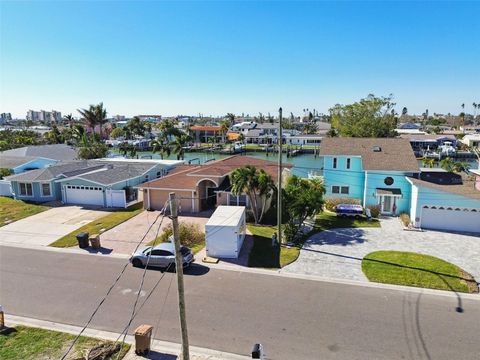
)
(187, 176)
(205, 128)
(395, 154)
(467, 188)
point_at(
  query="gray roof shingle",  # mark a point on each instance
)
(395, 154)
(61, 152)
(10, 162)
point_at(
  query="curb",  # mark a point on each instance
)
(163, 347)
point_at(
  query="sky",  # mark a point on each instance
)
(174, 58)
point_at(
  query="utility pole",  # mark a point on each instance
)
(279, 186)
(179, 271)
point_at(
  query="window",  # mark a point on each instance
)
(388, 180)
(240, 200)
(335, 189)
(161, 253)
(46, 190)
(26, 189)
(348, 163)
(334, 163)
(159, 173)
(344, 190)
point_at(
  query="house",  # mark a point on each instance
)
(445, 201)
(60, 152)
(421, 143)
(19, 164)
(371, 170)
(203, 187)
(202, 134)
(88, 182)
(471, 140)
(385, 173)
(304, 139)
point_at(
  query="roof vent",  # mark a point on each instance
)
(377, 149)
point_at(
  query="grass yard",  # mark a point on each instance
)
(27, 343)
(329, 220)
(412, 269)
(106, 222)
(12, 210)
(266, 256)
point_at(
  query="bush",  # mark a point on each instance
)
(190, 234)
(331, 203)
(374, 210)
(405, 218)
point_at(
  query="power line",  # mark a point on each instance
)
(109, 290)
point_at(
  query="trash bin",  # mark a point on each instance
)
(257, 351)
(82, 239)
(143, 337)
(95, 241)
(2, 318)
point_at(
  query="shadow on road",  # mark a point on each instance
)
(192, 270)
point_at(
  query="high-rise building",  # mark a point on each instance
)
(43, 115)
(4, 117)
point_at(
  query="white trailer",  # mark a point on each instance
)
(225, 232)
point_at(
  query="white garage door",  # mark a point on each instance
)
(84, 195)
(450, 218)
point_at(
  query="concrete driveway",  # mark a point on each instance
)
(124, 238)
(338, 253)
(46, 227)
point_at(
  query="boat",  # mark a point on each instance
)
(447, 149)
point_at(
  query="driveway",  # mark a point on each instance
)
(337, 253)
(46, 227)
(123, 238)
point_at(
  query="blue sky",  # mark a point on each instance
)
(217, 57)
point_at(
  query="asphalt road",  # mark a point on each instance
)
(230, 311)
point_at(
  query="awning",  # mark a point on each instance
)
(391, 192)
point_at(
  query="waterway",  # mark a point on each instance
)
(302, 164)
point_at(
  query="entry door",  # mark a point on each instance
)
(387, 204)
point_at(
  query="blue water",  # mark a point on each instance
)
(302, 164)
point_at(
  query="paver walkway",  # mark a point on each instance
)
(124, 238)
(337, 253)
(46, 227)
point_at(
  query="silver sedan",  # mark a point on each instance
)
(162, 255)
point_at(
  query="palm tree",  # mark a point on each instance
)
(447, 164)
(179, 144)
(93, 116)
(161, 145)
(428, 162)
(460, 166)
(136, 126)
(101, 114)
(256, 184)
(68, 119)
(224, 127)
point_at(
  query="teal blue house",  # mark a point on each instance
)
(385, 173)
(105, 183)
(373, 171)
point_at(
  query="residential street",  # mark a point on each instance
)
(230, 311)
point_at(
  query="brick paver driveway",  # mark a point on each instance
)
(337, 253)
(123, 238)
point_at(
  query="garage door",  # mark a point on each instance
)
(450, 218)
(84, 195)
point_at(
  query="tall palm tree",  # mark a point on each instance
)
(179, 144)
(447, 164)
(94, 115)
(224, 127)
(101, 114)
(161, 145)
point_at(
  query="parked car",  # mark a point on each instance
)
(162, 255)
(351, 210)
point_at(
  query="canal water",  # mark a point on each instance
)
(302, 164)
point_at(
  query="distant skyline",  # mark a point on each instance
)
(187, 58)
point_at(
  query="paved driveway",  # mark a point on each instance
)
(124, 238)
(338, 253)
(46, 227)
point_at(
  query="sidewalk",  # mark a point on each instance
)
(161, 350)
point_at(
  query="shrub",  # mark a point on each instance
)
(5, 172)
(331, 203)
(190, 234)
(405, 218)
(374, 210)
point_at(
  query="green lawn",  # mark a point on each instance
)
(13, 210)
(106, 222)
(264, 255)
(412, 269)
(27, 343)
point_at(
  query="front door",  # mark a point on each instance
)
(387, 205)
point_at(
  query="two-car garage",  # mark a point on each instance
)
(450, 218)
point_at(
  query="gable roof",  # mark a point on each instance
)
(466, 188)
(11, 162)
(91, 170)
(61, 152)
(187, 176)
(394, 155)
